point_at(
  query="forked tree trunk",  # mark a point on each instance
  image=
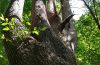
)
(47, 48)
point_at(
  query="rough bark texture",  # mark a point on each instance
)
(11, 41)
(69, 31)
(53, 17)
(47, 48)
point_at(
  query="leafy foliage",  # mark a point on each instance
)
(3, 5)
(3, 58)
(88, 51)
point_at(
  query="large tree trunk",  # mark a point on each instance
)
(44, 48)
(11, 41)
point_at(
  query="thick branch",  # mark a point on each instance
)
(39, 14)
(53, 18)
(51, 8)
(14, 10)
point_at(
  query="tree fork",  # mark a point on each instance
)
(49, 50)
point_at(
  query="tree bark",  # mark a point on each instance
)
(11, 41)
(47, 48)
(69, 31)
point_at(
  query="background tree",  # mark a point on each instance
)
(88, 36)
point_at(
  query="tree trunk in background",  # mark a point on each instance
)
(69, 31)
(46, 48)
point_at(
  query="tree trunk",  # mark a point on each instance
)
(44, 48)
(11, 41)
(69, 31)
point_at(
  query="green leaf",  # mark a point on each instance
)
(6, 19)
(13, 19)
(12, 26)
(35, 28)
(26, 32)
(6, 29)
(2, 37)
(44, 28)
(2, 18)
(4, 24)
(28, 23)
(35, 32)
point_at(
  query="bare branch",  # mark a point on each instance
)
(93, 15)
(66, 21)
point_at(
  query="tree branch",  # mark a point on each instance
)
(66, 21)
(93, 15)
(39, 14)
